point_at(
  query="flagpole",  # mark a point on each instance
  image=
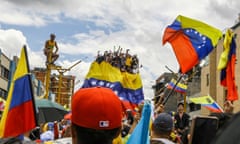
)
(185, 94)
(185, 102)
(31, 86)
(172, 90)
(169, 69)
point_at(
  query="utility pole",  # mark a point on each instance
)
(50, 67)
(61, 72)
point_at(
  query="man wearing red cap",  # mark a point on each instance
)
(96, 116)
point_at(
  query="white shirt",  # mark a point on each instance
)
(47, 136)
(164, 140)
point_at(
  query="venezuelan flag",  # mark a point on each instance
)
(180, 87)
(19, 112)
(225, 54)
(192, 40)
(227, 66)
(127, 86)
(208, 102)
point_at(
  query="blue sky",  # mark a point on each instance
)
(84, 27)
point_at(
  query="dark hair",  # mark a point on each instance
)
(130, 117)
(158, 131)
(180, 104)
(52, 35)
(35, 134)
(125, 130)
(93, 136)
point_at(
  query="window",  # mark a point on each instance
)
(3, 93)
(225, 94)
(4, 72)
(207, 81)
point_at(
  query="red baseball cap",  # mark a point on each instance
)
(96, 108)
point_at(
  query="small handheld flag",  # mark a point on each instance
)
(180, 87)
(207, 102)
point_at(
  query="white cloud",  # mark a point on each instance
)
(11, 42)
(27, 14)
(79, 70)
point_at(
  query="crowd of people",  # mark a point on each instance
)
(44, 133)
(183, 126)
(123, 61)
(97, 117)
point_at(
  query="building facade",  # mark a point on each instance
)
(7, 69)
(161, 92)
(63, 90)
(61, 86)
(61, 93)
(5, 74)
(193, 79)
(211, 75)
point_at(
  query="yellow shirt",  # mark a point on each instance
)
(125, 139)
(118, 140)
(50, 44)
(128, 61)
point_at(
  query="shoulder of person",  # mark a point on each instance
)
(187, 115)
(47, 41)
(176, 115)
(160, 141)
(156, 142)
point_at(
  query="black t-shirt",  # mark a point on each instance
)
(181, 123)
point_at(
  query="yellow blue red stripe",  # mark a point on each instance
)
(180, 87)
(227, 66)
(207, 102)
(19, 112)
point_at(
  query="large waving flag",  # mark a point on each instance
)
(180, 87)
(140, 134)
(191, 40)
(127, 86)
(19, 112)
(227, 66)
(207, 102)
